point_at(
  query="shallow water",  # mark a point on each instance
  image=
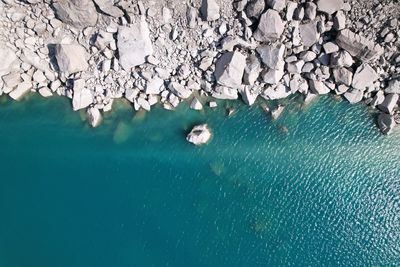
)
(318, 187)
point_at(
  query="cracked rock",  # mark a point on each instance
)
(209, 10)
(270, 27)
(71, 58)
(78, 13)
(229, 69)
(364, 77)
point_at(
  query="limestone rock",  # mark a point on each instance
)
(389, 103)
(71, 58)
(94, 117)
(8, 59)
(252, 70)
(249, 96)
(229, 69)
(272, 76)
(278, 92)
(354, 96)
(209, 10)
(134, 44)
(82, 96)
(154, 86)
(309, 33)
(180, 90)
(343, 76)
(330, 6)
(364, 77)
(196, 104)
(199, 135)
(270, 27)
(223, 92)
(278, 5)
(276, 113)
(272, 55)
(22, 89)
(255, 8)
(393, 87)
(45, 91)
(78, 13)
(107, 7)
(318, 87)
(386, 123)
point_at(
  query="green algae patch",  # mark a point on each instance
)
(122, 133)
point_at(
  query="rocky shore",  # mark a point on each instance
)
(168, 51)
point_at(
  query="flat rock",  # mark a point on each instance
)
(134, 44)
(180, 90)
(389, 103)
(78, 13)
(272, 55)
(364, 77)
(94, 116)
(309, 33)
(229, 69)
(199, 135)
(270, 27)
(21, 90)
(107, 7)
(209, 10)
(318, 87)
(354, 96)
(386, 123)
(71, 58)
(82, 96)
(45, 91)
(393, 87)
(330, 6)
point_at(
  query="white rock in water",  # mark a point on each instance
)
(209, 10)
(309, 33)
(22, 89)
(82, 97)
(196, 104)
(364, 77)
(78, 13)
(154, 86)
(270, 27)
(94, 117)
(354, 96)
(134, 44)
(229, 69)
(276, 113)
(199, 135)
(179, 90)
(45, 91)
(386, 123)
(223, 92)
(318, 87)
(330, 6)
(389, 103)
(71, 58)
(272, 55)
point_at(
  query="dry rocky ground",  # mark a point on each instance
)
(169, 51)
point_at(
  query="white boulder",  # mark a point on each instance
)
(199, 135)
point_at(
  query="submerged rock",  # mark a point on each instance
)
(386, 123)
(199, 135)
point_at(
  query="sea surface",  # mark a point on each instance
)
(318, 187)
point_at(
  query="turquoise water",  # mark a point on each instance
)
(318, 187)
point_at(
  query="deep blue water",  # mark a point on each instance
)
(133, 192)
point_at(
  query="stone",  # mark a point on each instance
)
(386, 123)
(143, 103)
(364, 77)
(310, 11)
(393, 87)
(389, 103)
(290, 9)
(78, 13)
(339, 21)
(212, 104)
(378, 99)
(278, 5)
(134, 44)
(229, 69)
(252, 70)
(330, 47)
(278, 92)
(295, 67)
(330, 6)
(354, 96)
(309, 33)
(358, 46)
(21, 90)
(196, 104)
(38, 76)
(298, 84)
(71, 58)
(191, 15)
(272, 76)
(223, 92)
(343, 76)
(341, 59)
(318, 87)
(270, 27)
(94, 116)
(209, 10)
(199, 135)
(107, 7)
(154, 86)
(11, 80)
(179, 90)
(45, 91)
(255, 8)
(8, 59)
(249, 96)
(82, 97)
(277, 112)
(272, 55)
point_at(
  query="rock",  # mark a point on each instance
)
(272, 76)
(278, 92)
(341, 59)
(295, 67)
(107, 7)
(71, 58)
(330, 47)
(252, 70)
(278, 5)
(38, 76)
(21, 90)
(389, 103)
(143, 103)
(358, 46)
(154, 86)
(393, 87)
(78, 13)
(330, 6)
(343, 76)
(318, 87)
(276, 113)
(212, 104)
(309, 33)
(45, 91)
(209, 10)
(310, 10)
(94, 116)
(223, 92)
(199, 135)
(255, 8)
(191, 15)
(134, 44)
(11, 81)
(179, 90)
(8, 59)
(386, 123)
(378, 98)
(339, 21)
(229, 69)
(272, 55)
(364, 77)
(354, 96)
(82, 96)
(249, 96)
(290, 9)
(270, 27)
(196, 104)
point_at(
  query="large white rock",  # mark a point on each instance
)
(71, 58)
(389, 103)
(364, 77)
(330, 6)
(22, 89)
(386, 123)
(272, 55)
(270, 27)
(279, 92)
(249, 96)
(354, 96)
(223, 92)
(209, 10)
(278, 5)
(78, 13)
(154, 86)
(229, 69)
(82, 97)
(8, 59)
(199, 135)
(179, 90)
(134, 44)
(94, 116)
(318, 87)
(309, 33)
(196, 104)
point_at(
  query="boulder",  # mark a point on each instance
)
(252, 70)
(94, 116)
(78, 13)
(343, 76)
(8, 59)
(209, 10)
(389, 103)
(196, 104)
(179, 90)
(82, 97)
(255, 8)
(364, 77)
(276, 112)
(386, 123)
(272, 55)
(378, 98)
(354, 96)
(318, 87)
(270, 27)
(199, 135)
(45, 91)
(229, 69)
(21, 90)
(330, 6)
(107, 7)
(154, 86)
(249, 96)
(272, 76)
(223, 92)
(393, 87)
(276, 92)
(71, 58)
(278, 5)
(341, 59)
(309, 33)
(134, 44)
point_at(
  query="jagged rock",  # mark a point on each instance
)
(78, 13)
(21, 90)
(179, 90)
(389, 103)
(249, 96)
(209, 10)
(143, 103)
(318, 87)
(71, 58)
(343, 76)
(272, 76)
(82, 96)
(364, 77)
(339, 21)
(94, 117)
(107, 7)
(196, 104)
(378, 99)
(310, 11)
(278, 5)
(272, 55)
(223, 92)
(358, 46)
(354, 96)
(199, 135)
(252, 70)
(309, 33)
(8, 59)
(270, 27)
(134, 44)
(276, 113)
(330, 6)
(393, 87)
(386, 123)
(154, 86)
(341, 59)
(255, 8)
(298, 84)
(279, 92)
(45, 91)
(229, 69)
(295, 67)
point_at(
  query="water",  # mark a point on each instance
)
(318, 187)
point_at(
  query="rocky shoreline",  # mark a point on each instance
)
(149, 52)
